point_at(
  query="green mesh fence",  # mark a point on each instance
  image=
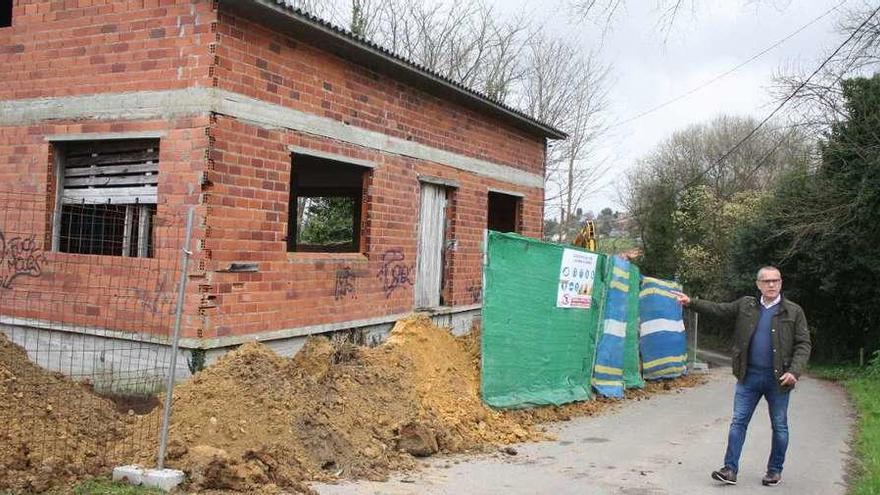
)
(534, 353)
(632, 373)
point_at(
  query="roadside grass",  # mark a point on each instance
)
(103, 486)
(863, 385)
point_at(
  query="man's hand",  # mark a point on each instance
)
(787, 380)
(681, 297)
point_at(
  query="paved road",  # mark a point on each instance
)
(666, 445)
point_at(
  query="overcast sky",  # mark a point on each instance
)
(650, 66)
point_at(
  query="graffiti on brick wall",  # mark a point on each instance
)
(395, 272)
(345, 283)
(154, 301)
(476, 292)
(19, 257)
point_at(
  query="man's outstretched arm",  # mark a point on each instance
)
(721, 310)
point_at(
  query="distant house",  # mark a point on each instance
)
(336, 185)
(623, 224)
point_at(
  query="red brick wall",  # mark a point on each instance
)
(247, 221)
(248, 199)
(62, 48)
(71, 47)
(255, 61)
(132, 294)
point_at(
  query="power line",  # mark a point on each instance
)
(782, 104)
(728, 72)
(794, 93)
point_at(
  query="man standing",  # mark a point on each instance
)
(771, 346)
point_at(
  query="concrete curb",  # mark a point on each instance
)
(163, 479)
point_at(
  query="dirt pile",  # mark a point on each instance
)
(52, 429)
(334, 410)
(256, 418)
(446, 375)
(256, 422)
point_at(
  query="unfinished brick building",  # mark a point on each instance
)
(258, 116)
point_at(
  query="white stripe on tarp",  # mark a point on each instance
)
(616, 328)
(661, 325)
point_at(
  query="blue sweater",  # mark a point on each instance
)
(761, 345)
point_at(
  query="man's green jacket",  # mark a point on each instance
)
(791, 338)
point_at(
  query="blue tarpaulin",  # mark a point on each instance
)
(608, 371)
(662, 339)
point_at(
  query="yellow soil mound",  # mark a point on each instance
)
(333, 410)
(52, 429)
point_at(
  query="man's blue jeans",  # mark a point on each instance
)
(757, 384)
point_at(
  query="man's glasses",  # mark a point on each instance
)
(770, 281)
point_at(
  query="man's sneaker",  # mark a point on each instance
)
(771, 479)
(725, 475)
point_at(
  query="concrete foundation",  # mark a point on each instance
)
(112, 364)
(121, 363)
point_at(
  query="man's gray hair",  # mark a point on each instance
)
(765, 268)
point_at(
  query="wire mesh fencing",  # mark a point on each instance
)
(693, 327)
(88, 299)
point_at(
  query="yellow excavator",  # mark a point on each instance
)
(586, 238)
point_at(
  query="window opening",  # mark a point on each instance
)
(5, 13)
(107, 201)
(326, 198)
(503, 212)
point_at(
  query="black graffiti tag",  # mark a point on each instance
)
(476, 292)
(394, 272)
(19, 257)
(345, 283)
(153, 301)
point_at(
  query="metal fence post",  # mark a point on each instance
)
(181, 293)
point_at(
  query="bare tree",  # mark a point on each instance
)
(863, 53)
(568, 90)
(818, 102)
(464, 41)
(694, 155)
(668, 12)
(685, 196)
(604, 12)
(366, 16)
(502, 68)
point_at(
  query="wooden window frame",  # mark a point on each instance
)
(87, 187)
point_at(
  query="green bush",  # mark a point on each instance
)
(873, 370)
